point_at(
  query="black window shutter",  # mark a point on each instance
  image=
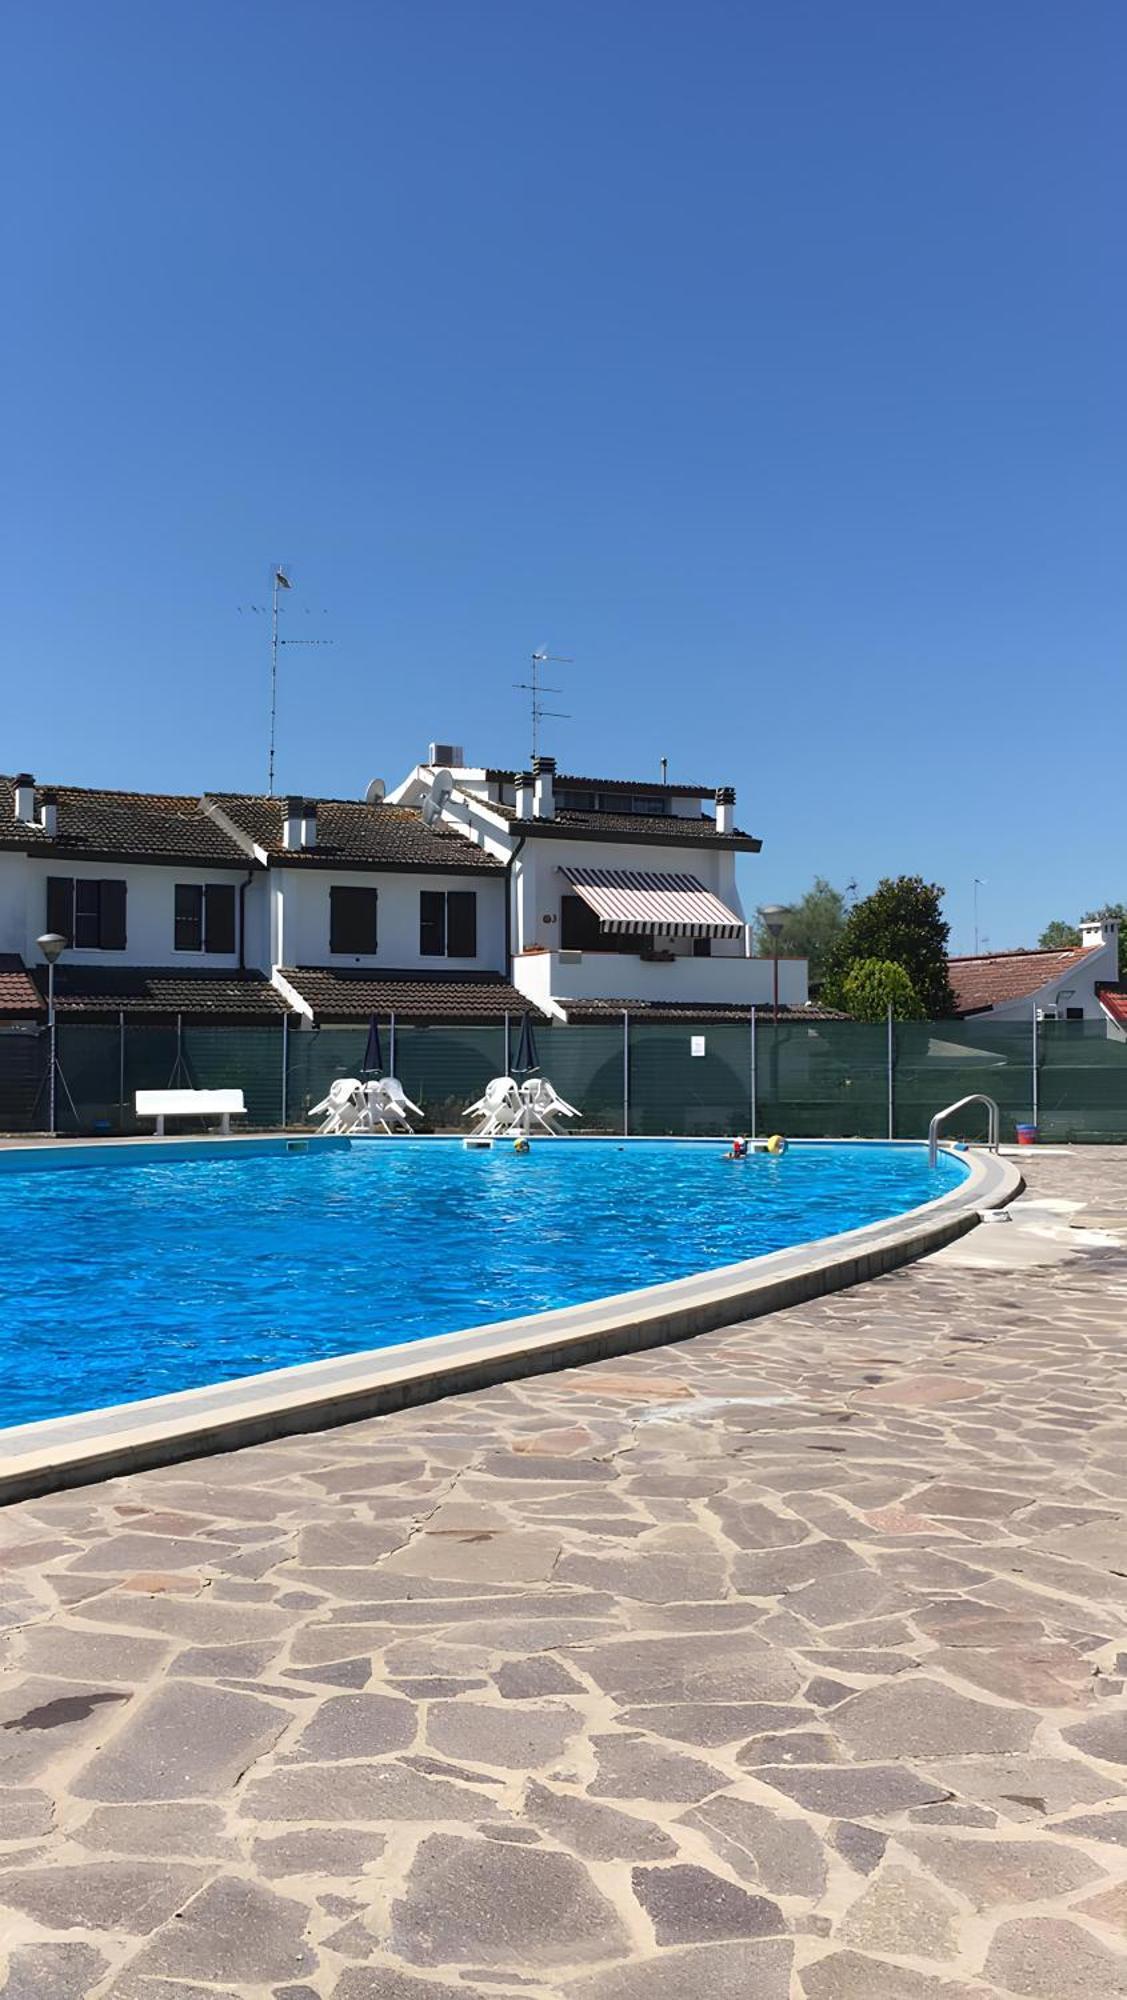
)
(432, 923)
(461, 924)
(113, 916)
(352, 921)
(188, 918)
(60, 905)
(219, 916)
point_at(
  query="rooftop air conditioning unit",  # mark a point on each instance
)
(447, 753)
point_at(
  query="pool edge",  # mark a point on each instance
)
(324, 1395)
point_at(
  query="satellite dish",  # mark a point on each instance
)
(442, 784)
(374, 796)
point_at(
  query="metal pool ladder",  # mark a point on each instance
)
(976, 1097)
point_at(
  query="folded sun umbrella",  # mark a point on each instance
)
(373, 1053)
(527, 1058)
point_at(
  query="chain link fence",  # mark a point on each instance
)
(833, 1079)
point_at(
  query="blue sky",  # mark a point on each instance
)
(765, 358)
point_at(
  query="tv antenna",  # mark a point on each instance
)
(536, 688)
(279, 581)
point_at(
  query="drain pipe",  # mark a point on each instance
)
(243, 887)
(625, 1074)
(514, 857)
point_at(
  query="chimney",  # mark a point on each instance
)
(309, 823)
(524, 794)
(725, 809)
(543, 773)
(294, 825)
(25, 797)
(48, 814)
(1102, 931)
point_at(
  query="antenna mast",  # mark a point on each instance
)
(536, 688)
(279, 581)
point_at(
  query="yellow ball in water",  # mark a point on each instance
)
(776, 1143)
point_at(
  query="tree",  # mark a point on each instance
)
(901, 921)
(1058, 936)
(873, 985)
(811, 928)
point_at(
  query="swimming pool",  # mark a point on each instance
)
(125, 1281)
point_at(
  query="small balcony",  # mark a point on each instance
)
(553, 978)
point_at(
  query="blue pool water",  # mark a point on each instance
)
(126, 1281)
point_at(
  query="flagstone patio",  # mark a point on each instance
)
(785, 1664)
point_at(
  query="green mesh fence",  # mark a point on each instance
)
(817, 1079)
(1082, 1083)
(937, 1062)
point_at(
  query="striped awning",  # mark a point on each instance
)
(640, 901)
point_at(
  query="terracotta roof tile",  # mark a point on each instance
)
(18, 994)
(346, 995)
(996, 977)
(351, 834)
(1114, 1003)
(141, 826)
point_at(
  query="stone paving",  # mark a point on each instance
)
(785, 1664)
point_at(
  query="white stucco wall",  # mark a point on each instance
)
(149, 909)
(301, 927)
(538, 884)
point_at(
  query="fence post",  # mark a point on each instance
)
(505, 1071)
(121, 1068)
(625, 1074)
(891, 1100)
(391, 1046)
(1035, 1092)
(285, 1067)
(753, 1093)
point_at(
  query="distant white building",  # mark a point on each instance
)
(1076, 984)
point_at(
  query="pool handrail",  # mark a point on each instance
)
(976, 1097)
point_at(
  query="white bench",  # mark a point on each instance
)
(162, 1104)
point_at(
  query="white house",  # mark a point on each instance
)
(1077, 984)
(621, 893)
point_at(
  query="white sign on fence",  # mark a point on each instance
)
(696, 1045)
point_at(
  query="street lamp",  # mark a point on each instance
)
(52, 945)
(773, 915)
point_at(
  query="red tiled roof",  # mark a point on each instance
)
(342, 994)
(18, 994)
(996, 977)
(1113, 1003)
(643, 787)
(351, 834)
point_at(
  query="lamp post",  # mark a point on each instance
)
(52, 945)
(773, 915)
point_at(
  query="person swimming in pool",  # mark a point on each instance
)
(738, 1150)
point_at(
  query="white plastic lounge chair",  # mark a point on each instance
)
(388, 1105)
(345, 1107)
(540, 1104)
(499, 1108)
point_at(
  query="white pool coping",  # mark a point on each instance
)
(101, 1444)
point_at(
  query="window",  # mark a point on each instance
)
(204, 916)
(88, 913)
(447, 923)
(1074, 1013)
(352, 921)
(580, 931)
(702, 947)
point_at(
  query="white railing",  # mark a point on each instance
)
(976, 1097)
